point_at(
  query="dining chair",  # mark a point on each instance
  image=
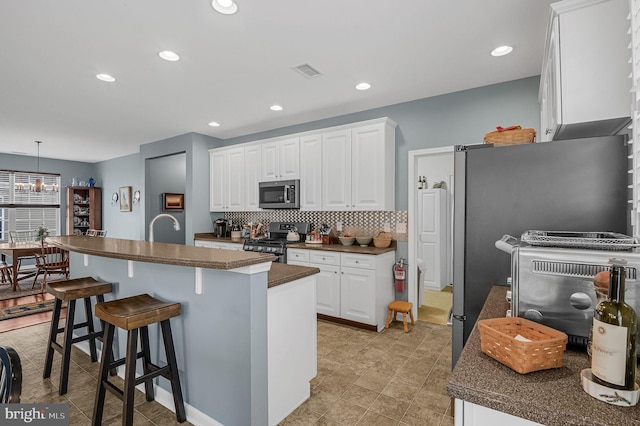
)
(6, 273)
(10, 376)
(23, 237)
(51, 260)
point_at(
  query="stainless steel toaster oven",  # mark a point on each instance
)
(554, 286)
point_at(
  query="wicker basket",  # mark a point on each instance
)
(511, 137)
(544, 350)
(382, 239)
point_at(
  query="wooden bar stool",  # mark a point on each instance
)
(69, 291)
(133, 314)
(403, 307)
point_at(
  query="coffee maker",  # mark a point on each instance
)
(220, 228)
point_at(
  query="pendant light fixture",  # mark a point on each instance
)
(38, 186)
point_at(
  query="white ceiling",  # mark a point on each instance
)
(233, 68)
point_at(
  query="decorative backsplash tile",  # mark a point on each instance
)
(365, 223)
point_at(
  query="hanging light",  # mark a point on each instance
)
(38, 186)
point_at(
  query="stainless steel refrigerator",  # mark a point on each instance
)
(570, 185)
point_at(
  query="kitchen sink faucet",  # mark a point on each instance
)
(176, 224)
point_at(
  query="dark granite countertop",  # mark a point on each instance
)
(281, 273)
(163, 253)
(345, 249)
(210, 236)
(550, 397)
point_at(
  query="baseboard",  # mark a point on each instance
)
(162, 396)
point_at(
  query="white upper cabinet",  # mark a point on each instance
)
(584, 85)
(281, 159)
(226, 172)
(350, 167)
(252, 175)
(358, 168)
(373, 167)
(336, 170)
(311, 172)
(218, 181)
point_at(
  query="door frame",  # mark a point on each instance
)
(412, 211)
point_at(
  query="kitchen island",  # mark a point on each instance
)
(240, 318)
(488, 392)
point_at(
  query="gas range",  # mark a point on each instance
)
(277, 242)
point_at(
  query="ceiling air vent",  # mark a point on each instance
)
(307, 70)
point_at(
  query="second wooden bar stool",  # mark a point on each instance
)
(69, 291)
(133, 314)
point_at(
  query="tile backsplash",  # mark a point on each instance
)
(353, 222)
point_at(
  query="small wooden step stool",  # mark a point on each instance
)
(403, 307)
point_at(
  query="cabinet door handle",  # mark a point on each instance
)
(356, 261)
(548, 131)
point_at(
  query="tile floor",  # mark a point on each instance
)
(387, 378)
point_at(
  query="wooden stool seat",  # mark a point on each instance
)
(402, 307)
(134, 314)
(78, 288)
(136, 311)
(69, 291)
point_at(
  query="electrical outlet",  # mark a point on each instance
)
(387, 227)
(339, 226)
(401, 228)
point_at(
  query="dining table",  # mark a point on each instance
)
(15, 251)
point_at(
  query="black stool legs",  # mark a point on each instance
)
(68, 340)
(150, 371)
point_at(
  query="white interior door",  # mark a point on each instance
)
(431, 239)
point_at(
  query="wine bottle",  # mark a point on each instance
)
(615, 328)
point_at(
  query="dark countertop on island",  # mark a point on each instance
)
(181, 255)
(281, 273)
(550, 397)
(163, 253)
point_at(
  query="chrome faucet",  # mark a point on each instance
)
(176, 224)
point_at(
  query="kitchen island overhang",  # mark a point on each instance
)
(222, 337)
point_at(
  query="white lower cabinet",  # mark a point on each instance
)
(469, 414)
(355, 287)
(357, 295)
(328, 290)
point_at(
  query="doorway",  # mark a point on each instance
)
(430, 238)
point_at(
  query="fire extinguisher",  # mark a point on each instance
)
(399, 274)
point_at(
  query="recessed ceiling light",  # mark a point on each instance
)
(226, 7)
(363, 86)
(105, 77)
(276, 108)
(214, 124)
(501, 51)
(168, 55)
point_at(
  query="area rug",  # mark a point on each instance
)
(437, 305)
(26, 309)
(24, 289)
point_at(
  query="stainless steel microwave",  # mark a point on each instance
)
(281, 194)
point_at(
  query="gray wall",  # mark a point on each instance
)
(112, 174)
(166, 174)
(194, 146)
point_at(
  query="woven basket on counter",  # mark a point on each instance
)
(544, 350)
(511, 137)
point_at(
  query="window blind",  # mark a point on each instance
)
(27, 200)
